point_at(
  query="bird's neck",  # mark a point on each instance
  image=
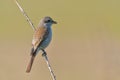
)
(47, 25)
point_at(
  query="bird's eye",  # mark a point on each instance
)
(47, 21)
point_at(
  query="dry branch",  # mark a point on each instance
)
(25, 14)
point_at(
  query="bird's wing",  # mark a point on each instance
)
(38, 36)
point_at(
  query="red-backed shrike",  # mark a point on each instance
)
(41, 38)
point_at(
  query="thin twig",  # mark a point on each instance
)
(25, 14)
(31, 24)
(49, 67)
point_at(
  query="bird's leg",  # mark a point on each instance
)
(44, 53)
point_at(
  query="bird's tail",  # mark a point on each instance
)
(30, 64)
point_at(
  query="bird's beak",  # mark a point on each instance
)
(54, 22)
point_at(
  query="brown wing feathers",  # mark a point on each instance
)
(38, 38)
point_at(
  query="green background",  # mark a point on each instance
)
(85, 44)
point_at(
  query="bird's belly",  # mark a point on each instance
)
(46, 42)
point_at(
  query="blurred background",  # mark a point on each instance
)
(85, 44)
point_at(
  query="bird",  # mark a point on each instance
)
(41, 39)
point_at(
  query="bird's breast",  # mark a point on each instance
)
(47, 40)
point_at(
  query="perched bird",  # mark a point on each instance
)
(41, 38)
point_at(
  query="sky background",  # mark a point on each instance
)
(85, 44)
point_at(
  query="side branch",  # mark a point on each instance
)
(25, 14)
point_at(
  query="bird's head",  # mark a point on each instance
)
(47, 21)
